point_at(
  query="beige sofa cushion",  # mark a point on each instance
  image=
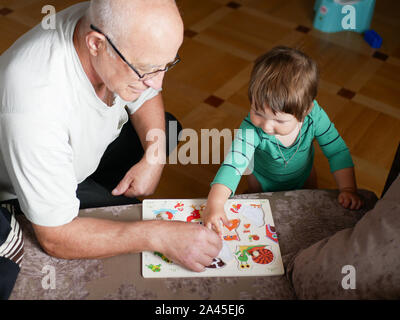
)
(372, 250)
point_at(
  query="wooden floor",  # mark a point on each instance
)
(359, 89)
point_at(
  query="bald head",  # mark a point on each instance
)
(147, 34)
(139, 25)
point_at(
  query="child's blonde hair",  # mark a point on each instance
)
(284, 80)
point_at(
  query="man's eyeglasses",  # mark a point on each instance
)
(144, 76)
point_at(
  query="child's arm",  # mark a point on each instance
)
(214, 213)
(346, 182)
(338, 154)
(229, 174)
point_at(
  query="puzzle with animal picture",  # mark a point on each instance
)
(250, 243)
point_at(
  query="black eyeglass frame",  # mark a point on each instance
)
(141, 77)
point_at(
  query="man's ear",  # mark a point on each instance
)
(95, 42)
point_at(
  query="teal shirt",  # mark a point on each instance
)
(258, 152)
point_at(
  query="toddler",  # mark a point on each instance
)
(275, 140)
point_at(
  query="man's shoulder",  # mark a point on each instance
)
(28, 55)
(32, 70)
(26, 68)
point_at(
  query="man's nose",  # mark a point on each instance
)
(156, 81)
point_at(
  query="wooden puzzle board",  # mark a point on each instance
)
(250, 246)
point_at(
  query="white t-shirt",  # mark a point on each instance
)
(53, 127)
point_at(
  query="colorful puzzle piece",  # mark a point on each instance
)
(164, 258)
(179, 206)
(254, 237)
(195, 215)
(154, 268)
(234, 224)
(236, 207)
(258, 253)
(164, 214)
(232, 234)
(243, 261)
(216, 264)
(271, 233)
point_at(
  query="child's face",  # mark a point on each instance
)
(274, 124)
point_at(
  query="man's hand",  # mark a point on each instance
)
(141, 180)
(188, 244)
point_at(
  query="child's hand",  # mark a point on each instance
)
(350, 199)
(214, 214)
(214, 217)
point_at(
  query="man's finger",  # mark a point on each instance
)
(131, 192)
(205, 260)
(198, 267)
(215, 241)
(214, 251)
(121, 188)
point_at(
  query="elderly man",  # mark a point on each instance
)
(65, 95)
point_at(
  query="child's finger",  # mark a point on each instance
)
(353, 203)
(340, 199)
(225, 221)
(359, 204)
(346, 203)
(217, 228)
(356, 203)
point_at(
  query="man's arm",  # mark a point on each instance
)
(187, 244)
(150, 116)
(92, 238)
(142, 179)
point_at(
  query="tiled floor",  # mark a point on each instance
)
(359, 89)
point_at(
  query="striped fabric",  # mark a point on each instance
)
(13, 247)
